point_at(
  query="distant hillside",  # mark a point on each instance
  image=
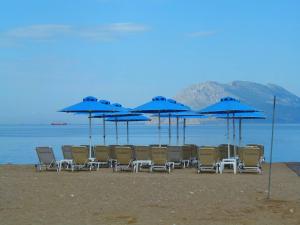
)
(260, 96)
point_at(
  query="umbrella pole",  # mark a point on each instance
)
(169, 129)
(90, 135)
(234, 135)
(271, 152)
(127, 132)
(184, 125)
(117, 138)
(104, 135)
(177, 129)
(228, 136)
(159, 142)
(240, 132)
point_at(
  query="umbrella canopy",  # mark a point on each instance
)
(159, 105)
(228, 105)
(127, 119)
(89, 105)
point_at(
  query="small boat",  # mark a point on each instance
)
(58, 123)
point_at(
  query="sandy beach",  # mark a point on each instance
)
(182, 197)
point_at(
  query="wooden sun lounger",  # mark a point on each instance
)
(208, 159)
(175, 156)
(159, 159)
(80, 155)
(250, 159)
(123, 159)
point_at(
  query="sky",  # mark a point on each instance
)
(53, 53)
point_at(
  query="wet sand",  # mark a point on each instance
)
(182, 197)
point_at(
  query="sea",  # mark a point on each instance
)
(18, 142)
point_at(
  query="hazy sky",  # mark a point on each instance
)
(53, 53)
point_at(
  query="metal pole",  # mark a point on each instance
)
(117, 137)
(177, 129)
(169, 128)
(104, 132)
(127, 132)
(271, 152)
(234, 135)
(184, 125)
(240, 132)
(90, 135)
(228, 136)
(159, 141)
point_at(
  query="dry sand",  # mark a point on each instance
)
(183, 197)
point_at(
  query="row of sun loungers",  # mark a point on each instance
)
(135, 158)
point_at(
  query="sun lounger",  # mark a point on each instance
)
(175, 156)
(250, 159)
(102, 156)
(67, 154)
(46, 159)
(186, 155)
(80, 155)
(142, 157)
(123, 159)
(159, 159)
(261, 150)
(208, 159)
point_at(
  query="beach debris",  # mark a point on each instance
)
(241, 191)
(172, 211)
(72, 195)
(191, 192)
(292, 210)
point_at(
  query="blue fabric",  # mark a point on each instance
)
(128, 118)
(160, 104)
(184, 114)
(121, 112)
(90, 105)
(248, 115)
(227, 105)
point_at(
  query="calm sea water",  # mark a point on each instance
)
(18, 142)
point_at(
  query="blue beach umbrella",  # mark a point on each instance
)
(121, 111)
(243, 116)
(159, 105)
(227, 106)
(127, 119)
(89, 105)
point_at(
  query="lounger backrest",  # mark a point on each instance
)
(174, 153)
(261, 148)
(142, 152)
(101, 153)
(45, 155)
(112, 151)
(66, 151)
(250, 156)
(80, 154)
(186, 152)
(159, 155)
(208, 155)
(123, 155)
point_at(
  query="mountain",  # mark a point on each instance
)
(257, 95)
